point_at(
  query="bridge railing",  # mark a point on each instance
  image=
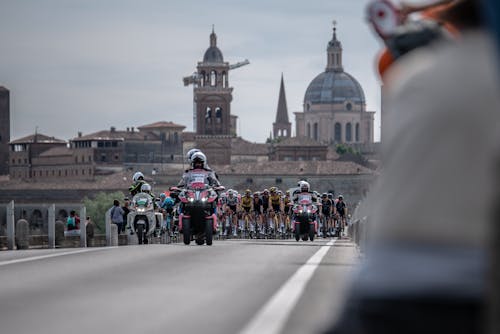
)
(18, 232)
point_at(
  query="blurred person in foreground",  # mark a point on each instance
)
(430, 211)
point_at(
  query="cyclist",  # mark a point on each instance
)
(326, 213)
(275, 204)
(246, 204)
(265, 209)
(287, 208)
(257, 210)
(231, 206)
(341, 210)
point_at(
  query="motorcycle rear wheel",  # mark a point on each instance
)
(186, 232)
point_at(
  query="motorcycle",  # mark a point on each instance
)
(304, 222)
(197, 221)
(142, 218)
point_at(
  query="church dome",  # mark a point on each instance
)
(213, 55)
(334, 87)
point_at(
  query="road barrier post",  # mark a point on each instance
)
(83, 227)
(11, 229)
(108, 227)
(52, 226)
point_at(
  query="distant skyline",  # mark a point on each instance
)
(88, 65)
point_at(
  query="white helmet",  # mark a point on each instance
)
(145, 188)
(137, 176)
(189, 154)
(198, 156)
(304, 186)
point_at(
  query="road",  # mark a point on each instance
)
(230, 287)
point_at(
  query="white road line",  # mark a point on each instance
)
(271, 318)
(34, 258)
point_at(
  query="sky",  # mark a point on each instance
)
(88, 65)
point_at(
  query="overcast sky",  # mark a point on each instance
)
(87, 65)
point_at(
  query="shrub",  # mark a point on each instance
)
(97, 207)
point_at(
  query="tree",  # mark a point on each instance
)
(99, 205)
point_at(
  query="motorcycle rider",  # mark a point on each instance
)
(303, 192)
(207, 176)
(198, 162)
(138, 179)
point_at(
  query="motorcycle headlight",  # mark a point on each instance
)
(308, 211)
(141, 209)
(191, 199)
(204, 199)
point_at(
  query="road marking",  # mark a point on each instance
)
(34, 258)
(271, 318)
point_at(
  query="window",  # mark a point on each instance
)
(356, 132)
(316, 132)
(208, 115)
(218, 115)
(338, 132)
(202, 78)
(348, 132)
(308, 129)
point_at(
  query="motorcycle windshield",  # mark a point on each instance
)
(141, 199)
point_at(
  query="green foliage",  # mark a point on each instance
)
(343, 149)
(98, 205)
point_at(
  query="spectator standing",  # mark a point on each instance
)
(117, 215)
(73, 221)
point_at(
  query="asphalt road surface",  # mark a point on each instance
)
(230, 287)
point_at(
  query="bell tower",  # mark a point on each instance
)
(213, 95)
(282, 127)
